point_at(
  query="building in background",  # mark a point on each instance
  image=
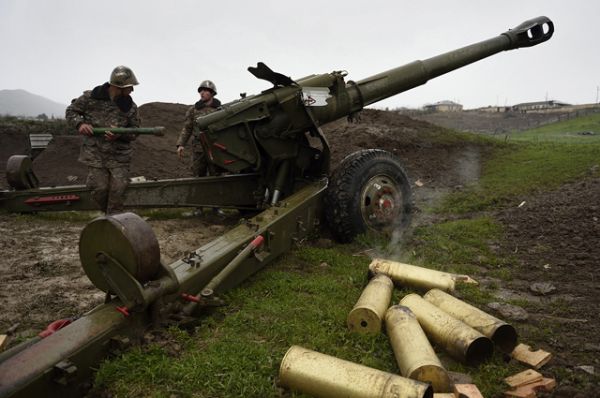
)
(444, 106)
(538, 106)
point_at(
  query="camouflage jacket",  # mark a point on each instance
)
(96, 108)
(191, 115)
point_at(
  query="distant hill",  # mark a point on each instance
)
(23, 103)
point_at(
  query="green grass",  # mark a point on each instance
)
(517, 170)
(237, 350)
(488, 375)
(304, 298)
(566, 131)
(452, 245)
(541, 159)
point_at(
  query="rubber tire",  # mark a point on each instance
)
(343, 196)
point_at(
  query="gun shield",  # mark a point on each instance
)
(322, 375)
(501, 333)
(368, 312)
(459, 339)
(415, 356)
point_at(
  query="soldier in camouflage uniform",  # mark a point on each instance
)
(107, 156)
(207, 104)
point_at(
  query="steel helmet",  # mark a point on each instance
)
(208, 85)
(122, 77)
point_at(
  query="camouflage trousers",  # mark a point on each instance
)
(108, 187)
(200, 166)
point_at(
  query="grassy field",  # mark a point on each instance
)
(584, 129)
(304, 298)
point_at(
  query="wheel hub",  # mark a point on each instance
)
(380, 202)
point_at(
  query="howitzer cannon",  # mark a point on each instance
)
(267, 138)
(264, 141)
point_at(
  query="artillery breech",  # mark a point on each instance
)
(322, 375)
(501, 333)
(459, 339)
(129, 130)
(412, 275)
(415, 356)
(368, 312)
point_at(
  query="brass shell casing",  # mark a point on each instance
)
(412, 275)
(368, 312)
(459, 339)
(502, 334)
(322, 375)
(415, 356)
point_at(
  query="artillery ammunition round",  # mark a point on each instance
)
(368, 312)
(502, 334)
(322, 375)
(459, 339)
(415, 356)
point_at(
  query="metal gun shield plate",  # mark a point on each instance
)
(19, 173)
(124, 237)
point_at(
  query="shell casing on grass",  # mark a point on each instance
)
(368, 312)
(502, 334)
(413, 276)
(415, 356)
(322, 375)
(459, 339)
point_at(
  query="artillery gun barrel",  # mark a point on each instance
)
(129, 130)
(403, 78)
(350, 97)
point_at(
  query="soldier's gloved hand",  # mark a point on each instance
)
(109, 136)
(180, 151)
(85, 129)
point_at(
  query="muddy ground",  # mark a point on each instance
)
(552, 236)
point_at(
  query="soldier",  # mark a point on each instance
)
(107, 156)
(207, 104)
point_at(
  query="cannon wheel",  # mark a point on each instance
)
(369, 191)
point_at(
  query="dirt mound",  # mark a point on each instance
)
(164, 114)
(432, 162)
(12, 142)
(155, 157)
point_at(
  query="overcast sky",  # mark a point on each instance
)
(59, 48)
